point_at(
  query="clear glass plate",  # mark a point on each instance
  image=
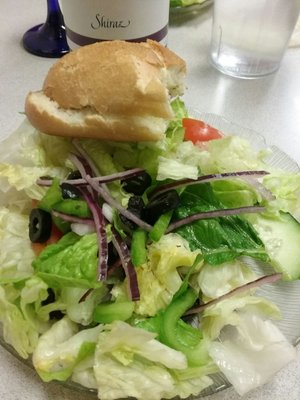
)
(190, 9)
(286, 295)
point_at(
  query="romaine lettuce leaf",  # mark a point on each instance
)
(60, 348)
(72, 261)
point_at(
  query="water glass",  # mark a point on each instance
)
(249, 38)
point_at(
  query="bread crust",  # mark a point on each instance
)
(87, 124)
(116, 81)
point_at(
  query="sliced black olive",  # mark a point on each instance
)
(69, 191)
(56, 314)
(137, 184)
(50, 299)
(40, 225)
(113, 256)
(160, 205)
(74, 175)
(136, 205)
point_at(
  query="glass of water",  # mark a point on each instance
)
(249, 38)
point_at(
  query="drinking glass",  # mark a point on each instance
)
(249, 38)
(48, 39)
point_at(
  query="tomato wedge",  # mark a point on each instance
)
(196, 130)
(56, 234)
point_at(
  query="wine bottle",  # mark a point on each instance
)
(91, 21)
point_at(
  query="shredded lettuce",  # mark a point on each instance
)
(16, 255)
(250, 353)
(32, 304)
(159, 278)
(286, 189)
(229, 311)
(214, 281)
(231, 153)
(17, 331)
(62, 347)
(132, 352)
(81, 311)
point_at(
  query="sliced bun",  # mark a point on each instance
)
(112, 90)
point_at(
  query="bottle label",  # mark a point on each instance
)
(91, 21)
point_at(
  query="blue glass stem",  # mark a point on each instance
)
(48, 39)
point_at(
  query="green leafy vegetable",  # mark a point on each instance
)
(220, 239)
(72, 261)
(147, 363)
(16, 254)
(106, 313)
(61, 348)
(138, 247)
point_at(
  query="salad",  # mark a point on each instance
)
(185, 3)
(133, 268)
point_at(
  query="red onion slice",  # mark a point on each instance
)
(241, 289)
(72, 218)
(213, 214)
(81, 164)
(114, 204)
(101, 234)
(86, 158)
(207, 178)
(129, 269)
(130, 173)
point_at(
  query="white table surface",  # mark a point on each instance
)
(270, 106)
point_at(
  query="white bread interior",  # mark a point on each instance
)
(109, 90)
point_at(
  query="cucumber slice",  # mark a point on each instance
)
(281, 237)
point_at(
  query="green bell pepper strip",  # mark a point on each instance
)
(160, 226)
(108, 312)
(180, 336)
(138, 250)
(52, 196)
(177, 334)
(78, 208)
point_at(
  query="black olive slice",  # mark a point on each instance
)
(161, 204)
(137, 184)
(136, 205)
(69, 191)
(56, 314)
(40, 225)
(74, 175)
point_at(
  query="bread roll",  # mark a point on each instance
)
(112, 90)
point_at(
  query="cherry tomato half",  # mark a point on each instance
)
(199, 131)
(54, 237)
